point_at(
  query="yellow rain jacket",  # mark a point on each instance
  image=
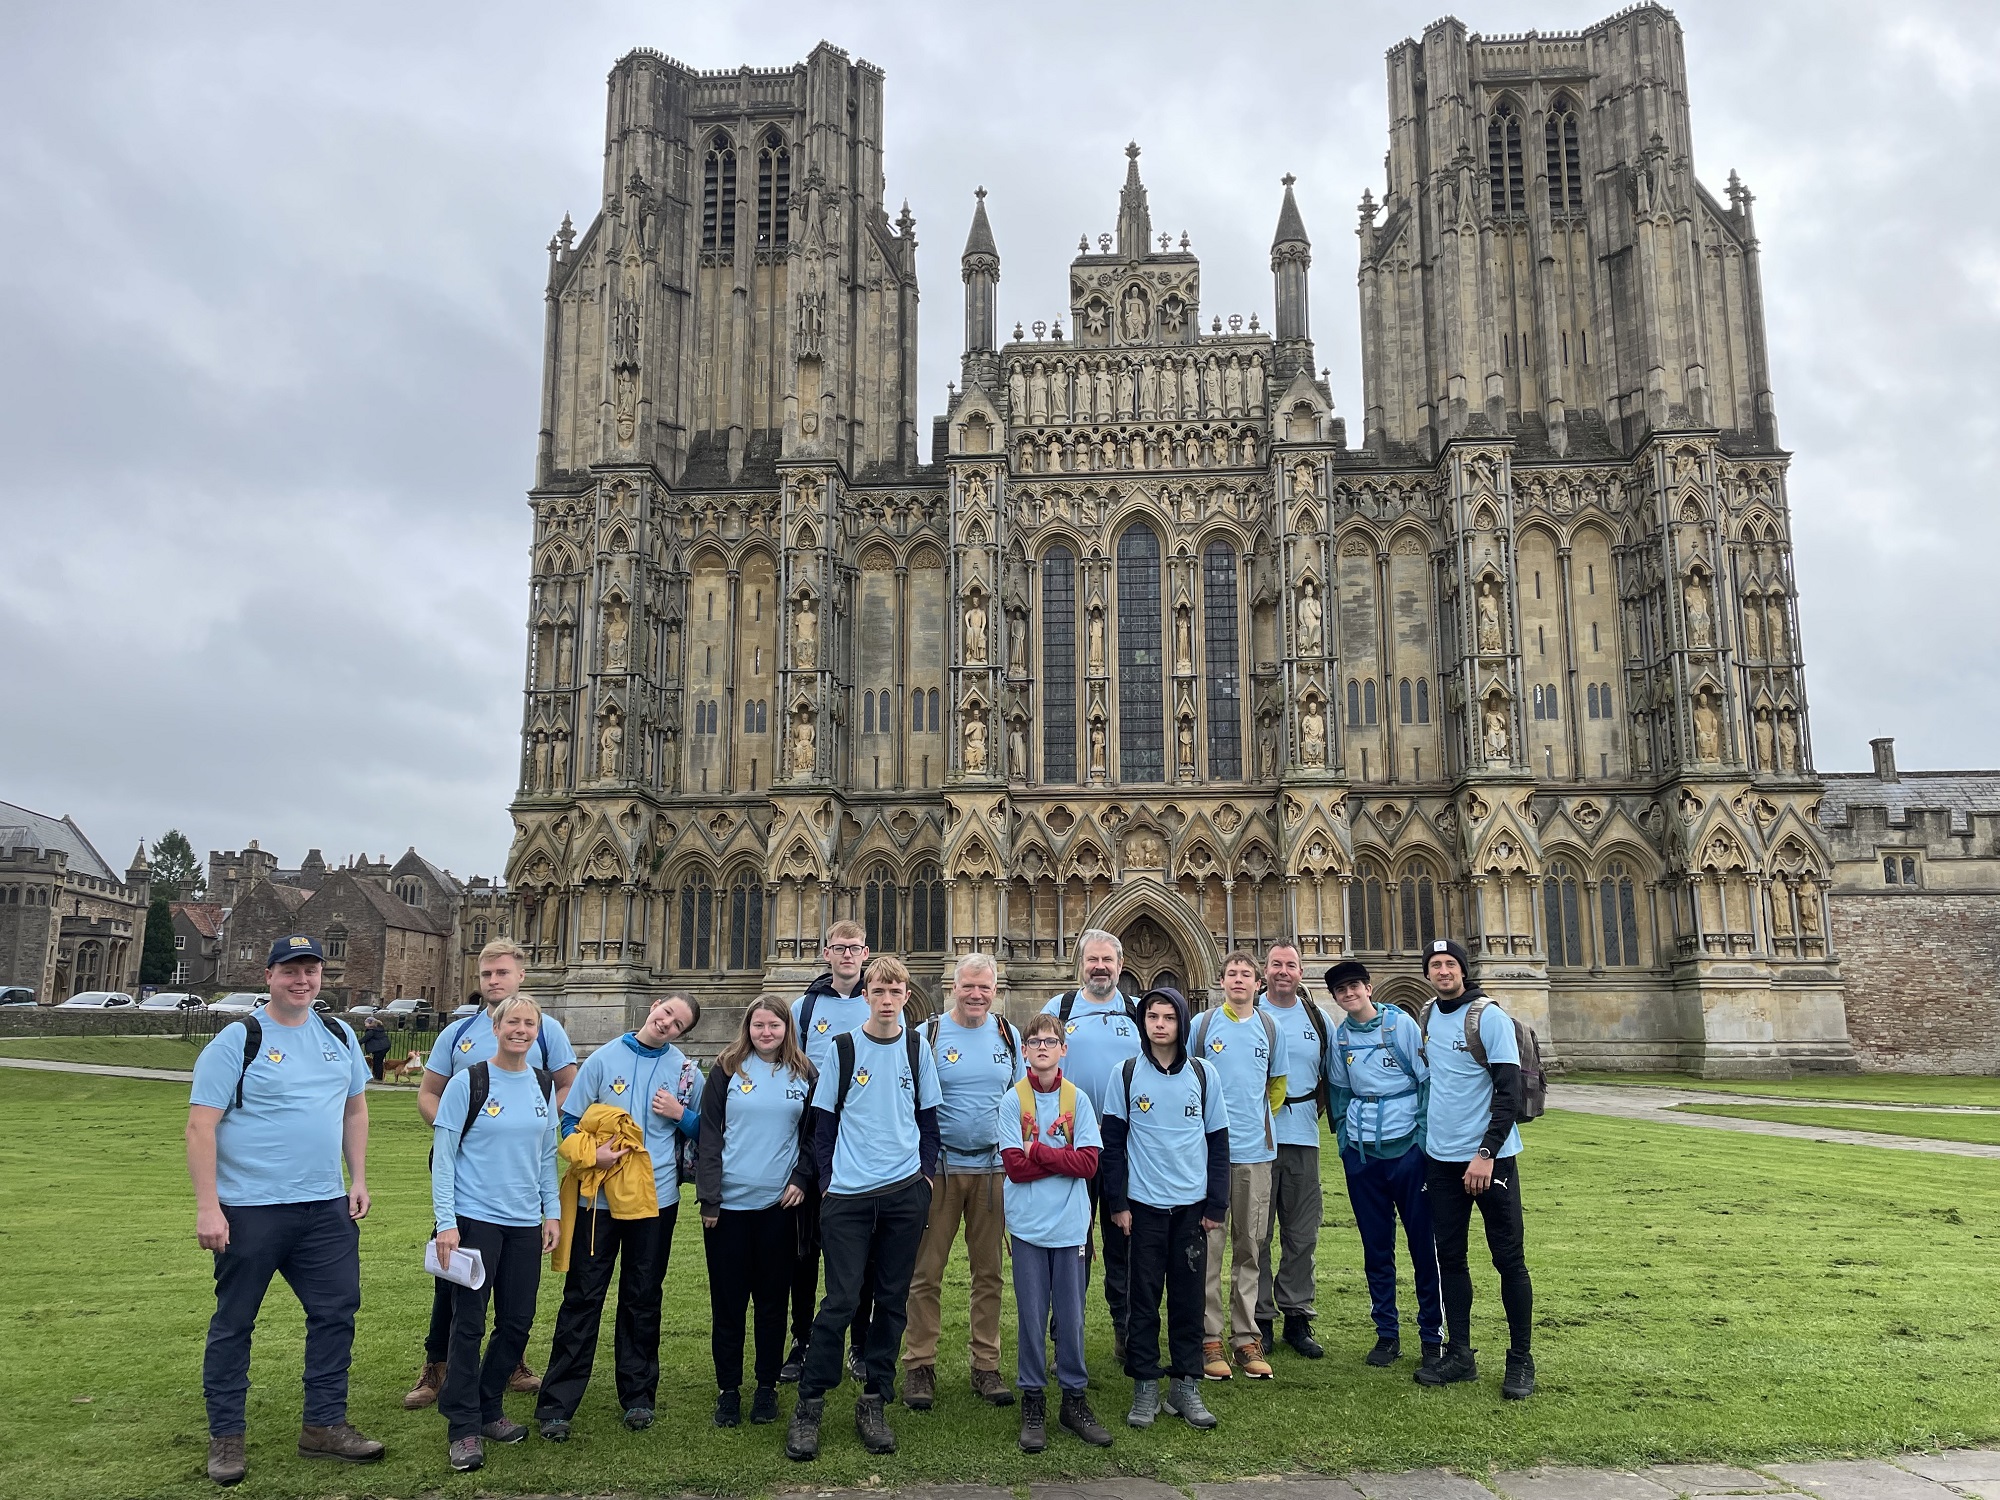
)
(627, 1184)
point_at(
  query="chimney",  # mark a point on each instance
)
(1885, 759)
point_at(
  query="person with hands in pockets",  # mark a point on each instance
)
(493, 1190)
(1288, 1286)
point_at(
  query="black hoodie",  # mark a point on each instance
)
(1506, 1077)
(1114, 1170)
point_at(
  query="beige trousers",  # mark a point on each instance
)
(1249, 1228)
(974, 1198)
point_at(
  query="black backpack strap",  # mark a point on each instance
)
(253, 1042)
(479, 1084)
(548, 1082)
(1013, 1040)
(1068, 1005)
(806, 1014)
(542, 1041)
(915, 1045)
(843, 1059)
(1125, 1072)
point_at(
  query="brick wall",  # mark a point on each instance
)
(1922, 973)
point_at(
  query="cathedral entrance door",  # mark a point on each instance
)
(1152, 958)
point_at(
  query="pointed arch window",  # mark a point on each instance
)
(878, 909)
(1565, 158)
(1423, 700)
(1559, 912)
(1225, 692)
(1058, 665)
(746, 922)
(1366, 927)
(1141, 707)
(718, 195)
(697, 920)
(1618, 912)
(1353, 703)
(1508, 192)
(1368, 701)
(1404, 700)
(927, 911)
(774, 193)
(1419, 907)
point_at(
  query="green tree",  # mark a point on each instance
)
(156, 959)
(176, 872)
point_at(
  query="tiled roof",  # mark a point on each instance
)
(21, 828)
(396, 913)
(204, 916)
(1961, 793)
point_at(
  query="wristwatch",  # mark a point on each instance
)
(1484, 1154)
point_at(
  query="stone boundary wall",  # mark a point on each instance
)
(1922, 972)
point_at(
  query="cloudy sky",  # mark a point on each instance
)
(272, 325)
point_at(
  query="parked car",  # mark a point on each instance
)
(172, 1000)
(14, 996)
(97, 1000)
(410, 1011)
(466, 1010)
(364, 1010)
(240, 1001)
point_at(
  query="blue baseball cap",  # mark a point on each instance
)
(294, 945)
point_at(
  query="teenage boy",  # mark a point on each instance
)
(1378, 1080)
(1101, 1033)
(277, 1103)
(831, 1006)
(1475, 1158)
(1289, 1287)
(1050, 1149)
(977, 1056)
(1165, 1171)
(646, 1077)
(875, 1133)
(1247, 1049)
(503, 965)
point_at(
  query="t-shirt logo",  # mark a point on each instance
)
(1218, 1046)
(326, 1057)
(1070, 1028)
(746, 1084)
(861, 1077)
(1145, 1103)
(466, 1045)
(619, 1085)
(795, 1091)
(492, 1110)
(821, 1025)
(274, 1055)
(951, 1054)
(1123, 1029)
(1000, 1055)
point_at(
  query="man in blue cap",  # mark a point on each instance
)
(277, 1103)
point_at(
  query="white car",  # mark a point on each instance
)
(171, 1000)
(242, 1002)
(97, 1000)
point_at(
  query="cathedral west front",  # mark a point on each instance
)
(1156, 641)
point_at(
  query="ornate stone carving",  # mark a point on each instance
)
(1788, 741)
(975, 628)
(1489, 618)
(1096, 639)
(1765, 741)
(559, 760)
(1312, 735)
(1496, 738)
(1707, 729)
(804, 743)
(1700, 618)
(610, 743)
(1312, 640)
(805, 632)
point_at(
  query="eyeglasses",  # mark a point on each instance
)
(1042, 1041)
(843, 949)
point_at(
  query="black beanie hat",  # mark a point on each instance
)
(1455, 949)
(1345, 972)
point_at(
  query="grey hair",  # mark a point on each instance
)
(974, 961)
(1099, 935)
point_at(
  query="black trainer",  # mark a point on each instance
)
(1078, 1418)
(729, 1408)
(764, 1405)
(1454, 1364)
(872, 1425)
(1519, 1382)
(1299, 1336)
(802, 1437)
(1389, 1349)
(1266, 1337)
(794, 1366)
(1428, 1360)
(1034, 1419)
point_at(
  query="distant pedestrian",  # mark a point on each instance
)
(375, 1042)
(278, 1101)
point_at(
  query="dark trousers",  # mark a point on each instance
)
(1048, 1298)
(639, 1248)
(751, 1256)
(1381, 1190)
(472, 1386)
(316, 1247)
(805, 1281)
(375, 1065)
(1117, 1248)
(1168, 1253)
(869, 1243)
(1451, 1221)
(437, 1340)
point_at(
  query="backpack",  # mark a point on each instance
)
(1125, 1073)
(1069, 1004)
(1322, 1094)
(1199, 1044)
(253, 1043)
(843, 1051)
(1024, 1091)
(1534, 1079)
(1007, 1036)
(450, 1040)
(479, 1084)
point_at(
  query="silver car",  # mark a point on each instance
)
(171, 1000)
(97, 1000)
(242, 1002)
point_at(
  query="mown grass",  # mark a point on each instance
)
(109, 1051)
(1929, 1125)
(1700, 1296)
(1859, 1088)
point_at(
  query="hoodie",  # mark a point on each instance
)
(1167, 1122)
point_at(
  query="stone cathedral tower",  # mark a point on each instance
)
(1149, 644)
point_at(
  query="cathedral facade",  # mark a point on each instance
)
(1153, 643)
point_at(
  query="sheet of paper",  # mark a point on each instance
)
(467, 1268)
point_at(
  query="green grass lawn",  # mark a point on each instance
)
(1858, 1088)
(141, 1051)
(1700, 1296)
(1979, 1129)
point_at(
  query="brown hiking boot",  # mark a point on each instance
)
(226, 1464)
(990, 1388)
(920, 1387)
(430, 1380)
(338, 1441)
(524, 1381)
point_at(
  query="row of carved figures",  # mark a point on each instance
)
(1190, 388)
(1101, 452)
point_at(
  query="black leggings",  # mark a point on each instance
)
(1451, 1222)
(473, 1386)
(751, 1256)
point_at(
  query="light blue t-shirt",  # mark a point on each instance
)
(1053, 1212)
(972, 1066)
(625, 1076)
(1461, 1102)
(283, 1145)
(1298, 1124)
(1379, 1069)
(1241, 1052)
(1099, 1038)
(878, 1144)
(506, 1173)
(1166, 1144)
(471, 1040)
(760, 1139)
(833, 1016)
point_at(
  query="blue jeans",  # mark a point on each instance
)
(1381, 1190)
(316, 1247)
(1049, 1285)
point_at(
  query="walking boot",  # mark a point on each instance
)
(430, 1380)
(794, 1365)
(729, 1408)
(502, 1430)
(1455, 1364)
(872, 1425)
(1251, 1361)
(1388, 1349)
(638, 1418)
(1431, 1355)
(466, 1454)
(226, 1463)
(524, 1381)
(338, 1440)
(1214, 1361)
(1519, 1382)
(764, 1405)
(990, 1388)
(1184, 1401)
(1299, 1336)
(802, 1437)
(920, 1387)
(1034, 1419)
(554, 1429)
(1145, 1403)
(1077, 1416)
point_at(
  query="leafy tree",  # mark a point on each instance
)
(156, 959)
(176, 872)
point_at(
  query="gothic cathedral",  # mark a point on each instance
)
(1151, 643)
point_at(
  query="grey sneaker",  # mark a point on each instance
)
(467, 1454)
(1145, 1403)
(504, 1431)
(1184, 1401)
(339, 1441)
(226, 1463)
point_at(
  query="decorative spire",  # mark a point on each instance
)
(980, 241)
(1135, 221)
(1291, 228)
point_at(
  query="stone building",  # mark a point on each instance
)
(485, 912)
(1152, 643)
(198, 945)
(68, 922)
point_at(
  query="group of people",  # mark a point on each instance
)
(837, 1152)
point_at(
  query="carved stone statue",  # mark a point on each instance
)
(1096, 641)
(1133, 322)
(1701, 620)
(805, 634)
(1017, 395)
(1017, 749)
(610, 743)
(1788, 742)
(1254, 379)
(975, 490)
(1707, 730)
(1211, 388)
(1187, 744)
(615, 631)
(1489, 617)
(1780, 647)
(1017, 643)
(1765, 745)
(1781, 909)
(1753, 631)
(804, 746)
(1149, 388)
(1038, 394)
(1312, 736)
(1097, 747)
(559, 761)
(1302, 482)
(1496, 734)
(1642, 743)
(1312, 637)
(565, 656)
(1183, 641)
(975, 631)
(1809, 910)
(1190, 391)
(541, 771)
(1232, 387)
(1100, 384)
(975, 745)
(628, 415)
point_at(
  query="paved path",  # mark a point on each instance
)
(1655, 1105)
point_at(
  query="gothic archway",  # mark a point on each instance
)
(1190, 955)
(1152, 957)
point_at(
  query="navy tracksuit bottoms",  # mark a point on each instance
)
(1381, 1189)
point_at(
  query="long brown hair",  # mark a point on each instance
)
(740, 1047)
